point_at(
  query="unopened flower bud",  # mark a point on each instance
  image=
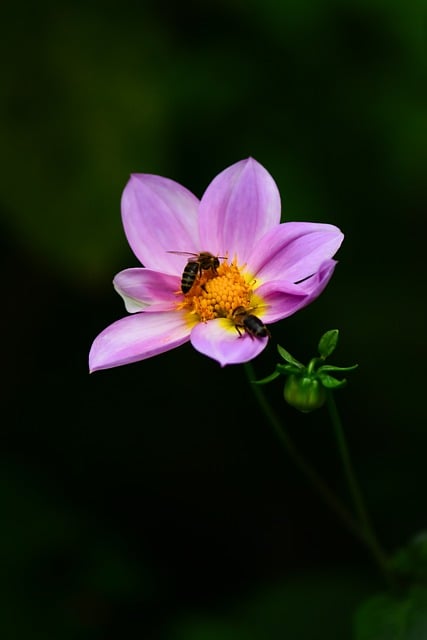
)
(304, 393)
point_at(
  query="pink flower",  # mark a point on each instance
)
(270, 269)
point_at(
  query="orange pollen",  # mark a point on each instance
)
(216, 295)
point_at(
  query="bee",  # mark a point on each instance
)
(197, 263)
(253, 326)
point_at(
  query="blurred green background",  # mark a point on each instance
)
(153, 501)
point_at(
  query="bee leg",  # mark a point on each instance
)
(239, 330)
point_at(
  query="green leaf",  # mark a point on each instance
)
(307, 606)
(287, 356)
(330, 382)
(386, 617)
(331, 367)
(410, 561)
(288, 369)
(328, 342)
(269, 378)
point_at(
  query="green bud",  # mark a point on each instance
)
(304, 393)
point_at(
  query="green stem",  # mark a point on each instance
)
(369, 537)
(307, 470)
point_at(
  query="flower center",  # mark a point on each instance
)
(216, 295)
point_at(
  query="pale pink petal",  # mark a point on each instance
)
(294, 250)
(159, 215)
(145, 289)
(283, 299)
(219, 340)
(138, 337)
(237, 208)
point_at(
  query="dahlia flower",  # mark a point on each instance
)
(267, 268)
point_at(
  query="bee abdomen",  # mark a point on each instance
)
(189, 275)
(255, 326)
(251, 324)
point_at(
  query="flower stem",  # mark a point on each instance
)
(305, 467)
(368, 534)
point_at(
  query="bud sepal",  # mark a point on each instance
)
(306, 386)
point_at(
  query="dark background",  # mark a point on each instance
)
(154, 501)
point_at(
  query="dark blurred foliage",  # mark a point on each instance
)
(153, 500)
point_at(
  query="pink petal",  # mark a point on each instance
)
(283, 299)
(237, 208)
(145, 289)
(138, 337)
(294, 250)
(219, 340)
(159, 215)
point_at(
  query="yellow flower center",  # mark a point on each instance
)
(216, 295)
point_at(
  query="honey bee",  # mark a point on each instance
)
(197, 263)
(253, 326)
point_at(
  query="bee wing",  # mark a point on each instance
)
(183, 253)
